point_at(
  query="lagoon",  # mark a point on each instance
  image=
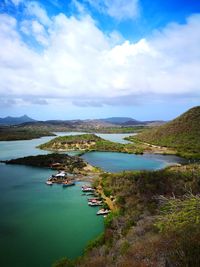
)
(117, 162)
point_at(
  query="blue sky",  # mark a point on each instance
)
(94, 59)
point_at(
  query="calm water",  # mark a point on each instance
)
(15, 149)
(40, 224)
(116, 162)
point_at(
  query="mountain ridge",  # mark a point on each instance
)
(105, 122)
(9, 120)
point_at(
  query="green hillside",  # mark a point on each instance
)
(183, 134)
(83, 142)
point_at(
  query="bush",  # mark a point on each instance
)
(95, 242)
(64, 262)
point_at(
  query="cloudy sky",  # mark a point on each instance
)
(67, 59)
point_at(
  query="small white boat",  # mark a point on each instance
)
(95, 204)
(103, 212)
(87, 189)
(49, 183)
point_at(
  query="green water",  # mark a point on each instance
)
(40, 224)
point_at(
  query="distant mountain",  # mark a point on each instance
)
(182, 133)
(117, 120)
(15, 120)
(126, 121)
(147, 123)
(83, 124)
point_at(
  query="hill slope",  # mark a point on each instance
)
(183, 133)
(83, 142)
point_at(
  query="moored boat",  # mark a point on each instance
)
(103, 212)
(95, 204)
(49, 183)
(70, 183)
(87, 189)
(94, 199)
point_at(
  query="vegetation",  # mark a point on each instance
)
(91, 142)
(16, 133)
(181, 134)
(157, 222)
(85, 142)
(37, 130)
(180, 223)
(57, 161)
(119, 129)
(79, 126)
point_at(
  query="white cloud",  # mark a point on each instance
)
(82, 64)
(118, 9)
(35, 29)
(34, 9)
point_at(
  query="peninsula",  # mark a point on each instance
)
(70, 164)
(83, 142)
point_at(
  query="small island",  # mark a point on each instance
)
(91, 142)
(83, 142)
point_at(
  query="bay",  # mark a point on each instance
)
(40, 224)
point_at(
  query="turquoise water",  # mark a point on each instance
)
(116, 162)
(40, 224)
(16, 149)
(119, 138)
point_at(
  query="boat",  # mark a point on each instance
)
(94, 199)
(61, 175)
(66, 184)
(103, 212)
(95, 204)
(90, 194)
(49, 183)
(87, 189)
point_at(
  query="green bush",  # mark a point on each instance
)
(99, 240)
(64, 262)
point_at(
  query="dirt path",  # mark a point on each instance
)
(107, 200)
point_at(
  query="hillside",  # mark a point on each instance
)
(10, 133)
(183, 134)
(69, 163)
(156, 223)
(83, 142)
(118, 120)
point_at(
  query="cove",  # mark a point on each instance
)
(40, 224)
(116, 162)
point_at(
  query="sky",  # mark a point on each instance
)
(86, 59)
